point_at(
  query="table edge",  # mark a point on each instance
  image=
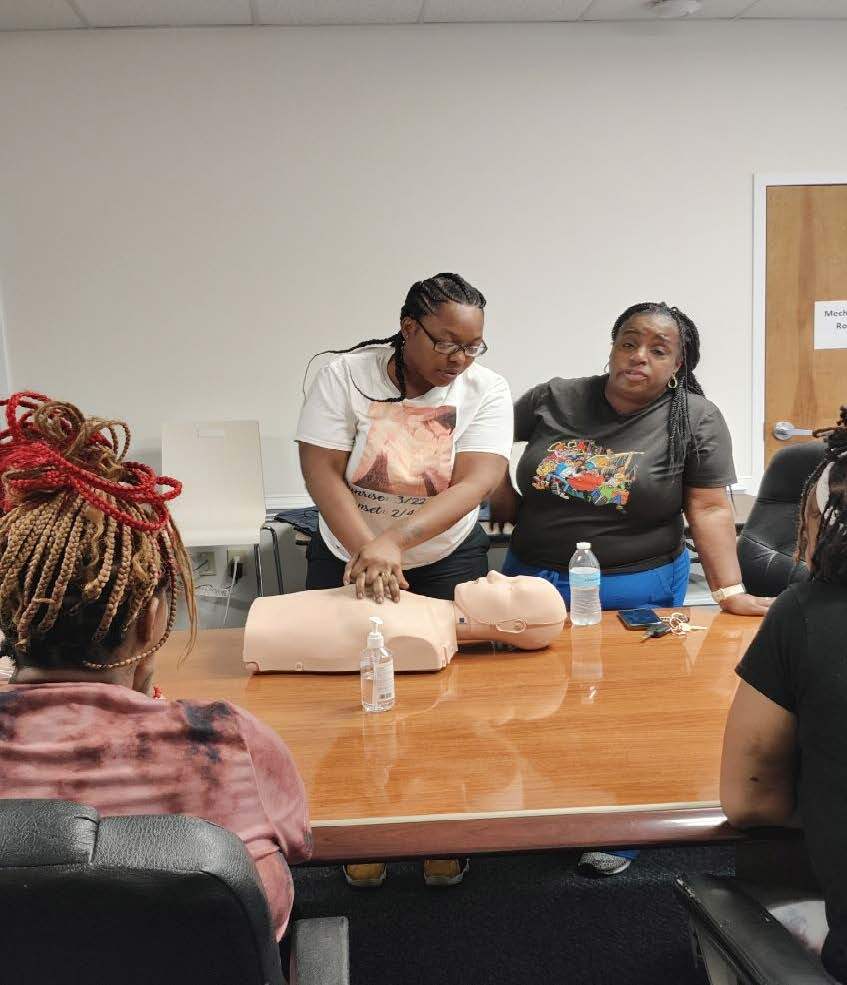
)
(436, 836)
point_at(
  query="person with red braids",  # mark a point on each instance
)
(91, 566)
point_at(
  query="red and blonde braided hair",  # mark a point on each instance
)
(86, 538)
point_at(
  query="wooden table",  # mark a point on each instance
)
(598, 740)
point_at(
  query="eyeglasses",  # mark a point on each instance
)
(450, 348)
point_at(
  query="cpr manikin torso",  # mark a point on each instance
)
(326, 630)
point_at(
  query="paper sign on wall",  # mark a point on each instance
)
(831, 324)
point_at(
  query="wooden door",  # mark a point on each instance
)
(806, 262)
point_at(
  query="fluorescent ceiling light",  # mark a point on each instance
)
(675, 8)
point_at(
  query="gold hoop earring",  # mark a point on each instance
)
(673, 382)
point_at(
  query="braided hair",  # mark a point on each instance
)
(679, 423)
(423, 299)
(86, 539)
(829, 561)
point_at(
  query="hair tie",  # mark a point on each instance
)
(32, 460)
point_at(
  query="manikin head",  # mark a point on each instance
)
(525, 611)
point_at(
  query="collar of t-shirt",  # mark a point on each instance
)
(383, 361)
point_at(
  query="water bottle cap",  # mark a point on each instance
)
(583, 545)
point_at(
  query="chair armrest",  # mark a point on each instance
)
(752, 941)
(320, 952)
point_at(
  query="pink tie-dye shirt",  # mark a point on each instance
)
(125, 753)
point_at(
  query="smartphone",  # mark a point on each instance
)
(638, 618)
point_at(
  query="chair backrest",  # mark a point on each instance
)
(220, 466)
(767, 540)
(169, 899)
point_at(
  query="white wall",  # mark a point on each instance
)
(185, 216)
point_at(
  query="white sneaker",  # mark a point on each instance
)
(602, 864)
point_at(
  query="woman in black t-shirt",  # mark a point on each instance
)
(616, 460)
(785, 746)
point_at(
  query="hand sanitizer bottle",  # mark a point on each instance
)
(376, 669)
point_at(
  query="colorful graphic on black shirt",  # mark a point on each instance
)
(582, 469)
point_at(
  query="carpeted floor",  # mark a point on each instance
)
(521, 920)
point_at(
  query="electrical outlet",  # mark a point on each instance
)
(203, 564)
(235, 554)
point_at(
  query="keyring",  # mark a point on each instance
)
(679, 623)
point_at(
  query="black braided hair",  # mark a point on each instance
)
(679, 423)
(423, 299)
(829, 561)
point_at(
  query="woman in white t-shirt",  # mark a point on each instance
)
(400, 440)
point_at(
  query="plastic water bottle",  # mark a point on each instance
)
(376, 671)
(584, 573)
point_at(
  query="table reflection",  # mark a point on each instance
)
(598, 719)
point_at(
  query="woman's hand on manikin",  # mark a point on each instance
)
(377, 569)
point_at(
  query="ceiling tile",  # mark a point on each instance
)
(37, 15)
(476, 11)
(59, 14)
(164, 13)
(301, 12)
(625, 10)
(801, 9)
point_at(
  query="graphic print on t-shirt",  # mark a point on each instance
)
(409, 450)
(583, 469)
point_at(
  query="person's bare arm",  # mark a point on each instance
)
(474, 475)
(713, 532)
(504, 501)
(759, 764)
(323, 472)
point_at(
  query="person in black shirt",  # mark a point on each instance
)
(616, 460)
(785, 746)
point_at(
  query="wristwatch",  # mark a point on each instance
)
(727, 593)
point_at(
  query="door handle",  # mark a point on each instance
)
(783, 430)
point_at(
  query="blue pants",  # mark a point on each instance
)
(663, 587)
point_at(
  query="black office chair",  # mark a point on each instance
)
(739, 940)
(169, 899)
(767, 540)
